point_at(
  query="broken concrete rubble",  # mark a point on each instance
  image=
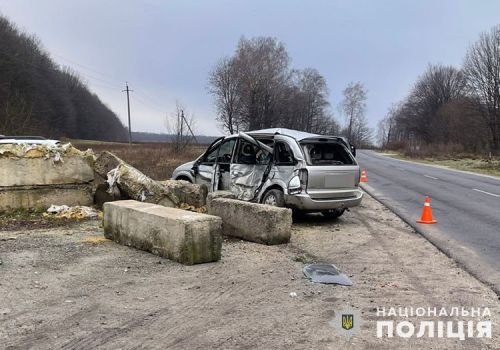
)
(136, 185)
(183, 236)
(253, 222)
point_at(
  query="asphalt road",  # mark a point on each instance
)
(467, 207)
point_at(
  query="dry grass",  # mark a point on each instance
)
(157, 160)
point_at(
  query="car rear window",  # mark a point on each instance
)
(327, 153)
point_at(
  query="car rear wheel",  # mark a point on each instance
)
(333, 213)
(274, 197)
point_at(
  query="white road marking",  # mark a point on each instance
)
(489, 193)
(431, 177)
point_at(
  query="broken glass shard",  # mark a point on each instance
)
(326, 273)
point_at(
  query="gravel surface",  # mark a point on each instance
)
(69, 288)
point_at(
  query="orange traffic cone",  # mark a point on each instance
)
(363, 178)
(427, 213)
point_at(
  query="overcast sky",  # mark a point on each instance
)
(165, 49)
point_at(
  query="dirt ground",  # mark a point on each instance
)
(69, 288)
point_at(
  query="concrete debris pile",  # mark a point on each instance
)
(121, 181)
(78, 212)
(35, 176)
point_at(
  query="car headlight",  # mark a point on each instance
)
(294, 186)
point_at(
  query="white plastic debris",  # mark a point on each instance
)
(293, 294)
(76, 212)
(54, 209)
(113, 178)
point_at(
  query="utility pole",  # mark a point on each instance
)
(187, 124)
(128, 109)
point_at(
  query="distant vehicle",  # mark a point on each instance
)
(280, 167)
(31, 140)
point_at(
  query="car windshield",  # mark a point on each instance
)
(331, 153)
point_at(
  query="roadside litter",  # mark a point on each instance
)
(327, 274)
(74, 213)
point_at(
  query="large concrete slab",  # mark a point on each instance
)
(42, 197)
(41, 171)
(180, 235)
(252, 221)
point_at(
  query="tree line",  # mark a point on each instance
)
(458, 108)
(37, 97)
(255, 88)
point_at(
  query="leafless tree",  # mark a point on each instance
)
(255, 88)
(181, 125)
(224, 86)
(482, 69)
(354, 106)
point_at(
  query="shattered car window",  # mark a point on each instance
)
(226, 151)
(326, 154)
(283, 154)
(250, 154)
(212, 155)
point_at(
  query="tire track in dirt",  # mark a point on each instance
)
(104, 336)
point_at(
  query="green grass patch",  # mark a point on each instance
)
(476, 165)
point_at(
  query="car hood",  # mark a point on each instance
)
(186, 166)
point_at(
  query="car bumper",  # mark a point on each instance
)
(304, 202)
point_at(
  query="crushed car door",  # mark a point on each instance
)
(204, 168)
(251, 161)
(221, 179)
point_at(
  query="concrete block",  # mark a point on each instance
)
(42, 197)
(252, 221)
(179, 235)
(192, 194)
(42, 171)
(218, 194)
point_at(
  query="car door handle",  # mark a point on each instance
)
(237, 173)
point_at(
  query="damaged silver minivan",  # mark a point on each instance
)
(281, 167)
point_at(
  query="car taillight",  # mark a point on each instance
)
(303, 179)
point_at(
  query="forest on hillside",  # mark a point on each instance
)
(38, 97)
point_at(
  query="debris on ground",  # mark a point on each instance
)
(73, 213)
(185, 206)
(327, 274)
(95, 240)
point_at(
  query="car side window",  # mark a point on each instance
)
(226, 151)
(211, 156)
(250, 154)
(283, 154)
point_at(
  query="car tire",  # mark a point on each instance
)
(333, 213)
(184, 178)
(274, 197)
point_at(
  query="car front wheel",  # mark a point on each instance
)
(274, 197)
